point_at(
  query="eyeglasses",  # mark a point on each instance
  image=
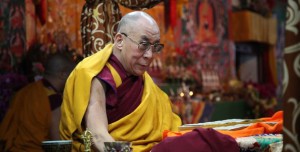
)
(145, 46)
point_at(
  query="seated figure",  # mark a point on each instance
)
(35, 110)
(111, 94)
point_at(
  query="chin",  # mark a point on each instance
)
(139, 73)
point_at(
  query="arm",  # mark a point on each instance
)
(95, 116)
(54, 129)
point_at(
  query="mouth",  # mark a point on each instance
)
(144, 67)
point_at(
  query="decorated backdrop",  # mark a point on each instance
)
(12, 33)
(197, 49)
(291, 81)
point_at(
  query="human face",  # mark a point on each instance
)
(135, 60)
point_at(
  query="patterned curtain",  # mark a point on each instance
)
(291, 81)
(99, 20)
(12, 33)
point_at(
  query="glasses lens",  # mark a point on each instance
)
(144, 46)
(158, 48)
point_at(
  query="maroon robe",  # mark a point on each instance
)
(122, 100)
(55, 99)
(198, 140)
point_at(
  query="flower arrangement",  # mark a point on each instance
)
(261, 97)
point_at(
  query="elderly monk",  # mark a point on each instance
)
(35, 110)
(112, 95)
(99, 21)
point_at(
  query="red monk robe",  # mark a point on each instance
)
(117, 97)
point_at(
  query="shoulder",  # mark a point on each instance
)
(98, 84)
(31, 86)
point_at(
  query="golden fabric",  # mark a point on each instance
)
(143, 127)
(272, 65)
(27, 123)
(248, 26)
(99, 20)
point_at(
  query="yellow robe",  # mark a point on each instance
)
(27, 122)
(143, 127)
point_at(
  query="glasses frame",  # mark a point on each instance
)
(141, 43)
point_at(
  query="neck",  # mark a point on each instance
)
(117, 53)
(55, 82)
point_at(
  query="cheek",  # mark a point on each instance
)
(151, 59)
(131, 59)
(134, 55)
(134, 59)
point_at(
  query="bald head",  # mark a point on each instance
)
(58, 63)
(133, 19)
(137, 33)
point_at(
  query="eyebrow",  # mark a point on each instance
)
(145, 38)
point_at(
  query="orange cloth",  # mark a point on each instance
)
(254, 129)
(260, 127)
(28, 120)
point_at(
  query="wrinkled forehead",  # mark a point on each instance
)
(147, 30)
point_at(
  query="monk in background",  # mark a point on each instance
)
(35, 110)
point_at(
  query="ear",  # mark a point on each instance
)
(119, 40)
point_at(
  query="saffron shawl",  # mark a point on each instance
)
(27, 122)
(143, 127)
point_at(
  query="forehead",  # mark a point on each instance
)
(148, 31)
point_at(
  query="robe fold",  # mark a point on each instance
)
(198, 140)
(120, 88)
(143, 127)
